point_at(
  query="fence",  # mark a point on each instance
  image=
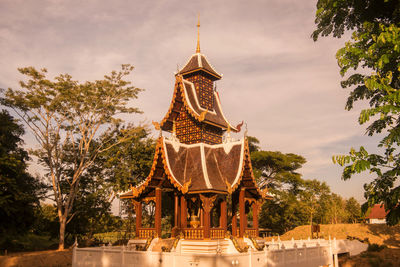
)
(276, 254)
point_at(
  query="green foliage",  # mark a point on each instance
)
(29, 242)
(336, 16)
(274, 169)
(19, 191)
(374, 47)
(296, 201)
(353, 210)
(46, 221)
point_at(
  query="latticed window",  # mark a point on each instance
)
(204, 90)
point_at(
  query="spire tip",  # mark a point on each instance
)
(198, 35)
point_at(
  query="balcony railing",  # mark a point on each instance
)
(217, 233)
(193, 233)
(250, 232)
(146, 232)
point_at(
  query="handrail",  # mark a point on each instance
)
(147, 245)
(255, 244)
(176, 241)
(146, 232)
(217, 233)
(251, 232)
(193, 233)
(237, 246)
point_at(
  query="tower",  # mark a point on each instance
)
(195, 114)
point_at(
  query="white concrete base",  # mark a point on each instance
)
(213, 247)
(221, 253)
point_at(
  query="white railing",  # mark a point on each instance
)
(277, 254)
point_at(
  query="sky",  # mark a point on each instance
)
(285, 86)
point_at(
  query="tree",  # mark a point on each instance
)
(310, 196)
(275, 169)
(353, 210)
(112, 171)
(65, 115)
(19, 191)
(279, 173)
(375, 47)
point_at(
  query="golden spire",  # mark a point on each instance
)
(198, 35)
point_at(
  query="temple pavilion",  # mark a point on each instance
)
(207, 174)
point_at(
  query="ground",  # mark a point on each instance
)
(375, 233)
(388, 257)
(380, 234)
(49, 258)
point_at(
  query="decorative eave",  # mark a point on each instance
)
(201, 115)
(247, 162)
(138, 190)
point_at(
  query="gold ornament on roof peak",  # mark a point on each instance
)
(198, 35)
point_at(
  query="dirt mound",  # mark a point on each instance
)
(376, 233)
(385, 258)
(50, 258)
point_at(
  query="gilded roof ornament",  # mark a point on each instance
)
(198, 35)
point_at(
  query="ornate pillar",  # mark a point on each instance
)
(256, 211)
(176, 211)
(138, 211)
(201, 217)
(207, 203)
(234, 217)
(183, 212)
(157, 218)
(242, 213)
(223, 217)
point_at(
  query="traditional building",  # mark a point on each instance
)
(376, 214)
(208, 176)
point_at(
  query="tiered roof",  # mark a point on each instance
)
(200, 168)
(185, 99)
(199, 62)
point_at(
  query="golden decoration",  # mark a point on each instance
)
(185, 187)
(228, 187)
(156, 125)
(148, 199)
(135, 192)
(174, 127)
(203, 116)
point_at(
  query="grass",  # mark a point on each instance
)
(29, 242)
(109, 237)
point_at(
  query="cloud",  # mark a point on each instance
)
(285, 86)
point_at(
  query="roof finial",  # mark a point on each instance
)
(198, 35)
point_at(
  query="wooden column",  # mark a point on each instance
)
(234, 217)
(256, 210)
(242, 213)
(157, 218)
(234, 224)
(207, 203)
(183, 212)
(138, 211)
(223, 218)
(201, 217)
(176, 211)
